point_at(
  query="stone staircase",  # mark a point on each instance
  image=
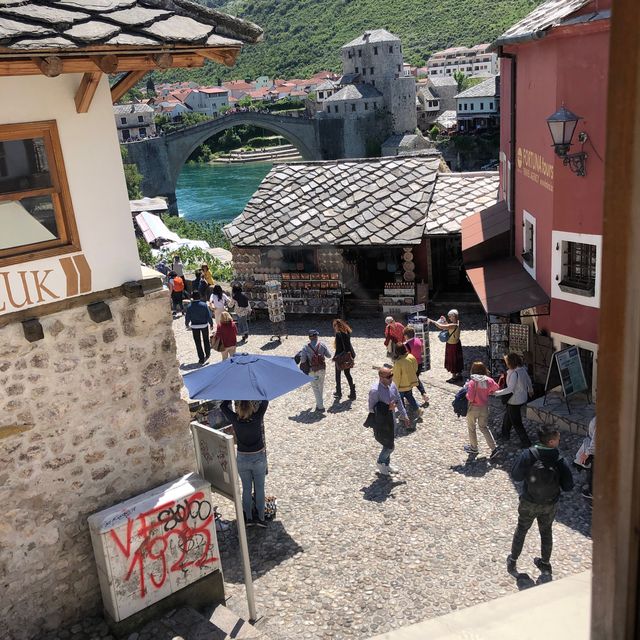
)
(188, 624)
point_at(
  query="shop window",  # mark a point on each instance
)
(578, 268)
(35, 205)
(529, 242)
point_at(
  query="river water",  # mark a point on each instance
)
(218, 192)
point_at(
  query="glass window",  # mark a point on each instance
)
(528, 252)
(390, 48)
(140, 119)
(371, 70)
(353, 107)
(357, 70)
(482, 106)
(364, 71)
(123, 121)
(375, 51)
(579, 266)
(35, 206)
(143, 131)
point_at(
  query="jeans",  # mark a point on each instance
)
(411, 401)
(347, 375)
(527, 513)
(513, 418)
(317, 385)
(252, 469)
(481, 415)
(242, 323)
(201, 338)
(385, 456)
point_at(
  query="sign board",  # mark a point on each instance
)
(566, 371)
(154, 544)
(416, 308)
(214, 452)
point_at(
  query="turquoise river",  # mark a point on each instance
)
(217, 192)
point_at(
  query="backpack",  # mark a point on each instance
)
(178, 284)
(460, 403)
(317, 360)
(543, 480)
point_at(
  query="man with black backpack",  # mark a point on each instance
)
(545, 474)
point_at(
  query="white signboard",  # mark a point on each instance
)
(154, 544)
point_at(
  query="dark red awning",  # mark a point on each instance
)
(485, 235)
(504, 287)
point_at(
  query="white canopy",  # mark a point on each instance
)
(154, 229)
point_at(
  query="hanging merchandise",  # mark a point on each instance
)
(275, 308)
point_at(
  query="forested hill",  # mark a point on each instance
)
(305, 36)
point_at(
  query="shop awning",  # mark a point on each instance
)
(504, 287)
(485, 235)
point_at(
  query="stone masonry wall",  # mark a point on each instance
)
(91, 415)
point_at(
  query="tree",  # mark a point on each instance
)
(132, 176)
(151, 87)
(461, 79)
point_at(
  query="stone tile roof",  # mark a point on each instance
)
(376, 201)
(486, 89)
(447, 118)
(458, 195)
(132, 107)
(355, 92)
(74, 25)
(376, 35)
(546, 16)
(444, 81)
(326, 85)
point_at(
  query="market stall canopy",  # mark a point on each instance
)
(486, 234)
(51, 37)
(457, 196)
(153, 205)
(153, 229)
(376, 201)
(504, 287)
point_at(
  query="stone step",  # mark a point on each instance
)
(186, 623)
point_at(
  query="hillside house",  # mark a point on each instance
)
(478, 107)
(477, 60)
(207, 100)
(134, 120)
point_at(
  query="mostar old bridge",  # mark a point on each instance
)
(161, 159)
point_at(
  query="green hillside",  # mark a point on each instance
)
(305, 36)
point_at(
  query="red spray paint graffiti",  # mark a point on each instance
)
(189, 523)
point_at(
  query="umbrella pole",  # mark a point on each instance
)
(244, 548)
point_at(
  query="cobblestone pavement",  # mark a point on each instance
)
(352, 554)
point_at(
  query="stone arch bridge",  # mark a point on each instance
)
(161, 159)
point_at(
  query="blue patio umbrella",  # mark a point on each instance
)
(245, 376)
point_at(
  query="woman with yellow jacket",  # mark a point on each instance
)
(405, 376)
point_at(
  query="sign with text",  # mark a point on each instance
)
(566, 371)
(533, 166)
(214, 455)
(27, 285)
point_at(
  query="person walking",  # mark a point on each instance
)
(393, 335)
(479, 388)
(197, 282)
(313, 357)
(384, 402)
(518, 390)
(545, 475)
(344, 358)
(177, 266)
(585, 458)
(242, 309)
(207, 275)
(228, 333)
(218, 301)
(453, 357)
(176, 287)
(414, 347)
(198, 318)
(248, 425)
(405, 374)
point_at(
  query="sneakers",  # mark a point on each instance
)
(337, 395)
(393, 469)
(320, 410)
(511, 564)
(249, 523)
(470, 450)
(383, 469)
(245, 337)
(261, 524)
(494, 454)
(352, 395)
(545, 567)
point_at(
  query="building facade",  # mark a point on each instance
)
(207, 100)
(134, 120)
(478, 107)
(472, 61)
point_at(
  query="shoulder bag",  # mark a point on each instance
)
(216, 343)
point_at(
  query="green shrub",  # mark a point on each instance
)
(193, 258)
(144, 251)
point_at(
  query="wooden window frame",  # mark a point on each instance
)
(68, 240)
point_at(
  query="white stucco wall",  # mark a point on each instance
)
(94, 172)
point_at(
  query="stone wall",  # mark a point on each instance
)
(91, 415)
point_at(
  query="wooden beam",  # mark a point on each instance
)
(87, 90)
(122, 86)
(226, 56)
(107, 64)
(87, 64)
(163, 60)
(50, 66)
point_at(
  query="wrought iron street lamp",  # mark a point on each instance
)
(562, 125)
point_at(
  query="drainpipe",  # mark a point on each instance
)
(512, 152)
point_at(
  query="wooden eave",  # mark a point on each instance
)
(134, 62)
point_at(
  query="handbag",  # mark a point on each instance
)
(216, 343)
(443, 336)
(344, 361)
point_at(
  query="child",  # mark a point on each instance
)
(585, 458)
(545, 474)
(479, 388)
(414, 346)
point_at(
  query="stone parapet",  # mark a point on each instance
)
(91, 415)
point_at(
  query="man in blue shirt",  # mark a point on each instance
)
(384, 400)
(198, 319)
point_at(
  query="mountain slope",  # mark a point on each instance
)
(305, 36)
